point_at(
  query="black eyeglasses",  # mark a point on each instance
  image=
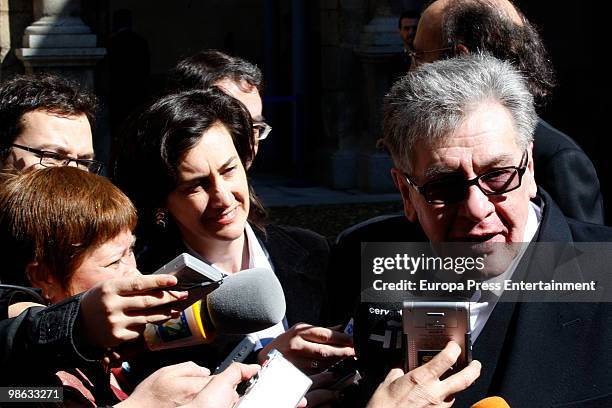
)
(453, 188)
(53, 159)
(262, 130)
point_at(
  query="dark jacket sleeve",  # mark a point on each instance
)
(300, 258)
(571, 180)
(565, 172)
(44, 338)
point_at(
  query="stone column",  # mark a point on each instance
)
(60, 42)
(341, 23)
(5, 33)
(379, 42)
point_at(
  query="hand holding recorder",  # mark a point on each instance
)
(422, 387)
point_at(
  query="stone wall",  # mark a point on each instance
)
(15, 16)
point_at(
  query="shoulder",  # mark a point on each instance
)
(587, 232)
(288, 235)
(548, 141)
(384, 228)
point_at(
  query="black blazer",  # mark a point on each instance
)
(533, 354)
(300, 259)
(548, 354)
(567, 174)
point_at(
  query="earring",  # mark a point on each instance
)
(161, 217)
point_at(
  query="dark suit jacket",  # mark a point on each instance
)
(533, 354)
(300, 259)
(567, 174)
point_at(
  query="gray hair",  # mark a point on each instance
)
(430, 103)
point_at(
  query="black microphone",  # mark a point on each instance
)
(245, 302)
(378, 337)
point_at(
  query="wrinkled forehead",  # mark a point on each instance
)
(485, 136)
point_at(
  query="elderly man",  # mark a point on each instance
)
(46, 121)
(460, 132)
(449, 28)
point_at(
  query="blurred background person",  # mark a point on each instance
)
(407, 26)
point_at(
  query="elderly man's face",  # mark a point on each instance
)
(484, 141)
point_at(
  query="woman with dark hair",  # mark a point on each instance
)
(183, 165)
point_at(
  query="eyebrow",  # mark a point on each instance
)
(62, 150)
(440, 170)
(225, 165)
(259, 118)
(120, 251)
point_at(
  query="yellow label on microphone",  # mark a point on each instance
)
(185, 330)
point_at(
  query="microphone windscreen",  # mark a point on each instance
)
(491, 402)
(246, 302)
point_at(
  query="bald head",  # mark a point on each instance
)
(506, 8)
(428, 40)
(430, 32)
(447, 28)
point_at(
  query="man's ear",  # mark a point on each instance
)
(399, 179)
(461, 49)
(39, 276)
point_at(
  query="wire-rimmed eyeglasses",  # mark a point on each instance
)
(416, 57)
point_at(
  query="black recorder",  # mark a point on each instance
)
(429, 326)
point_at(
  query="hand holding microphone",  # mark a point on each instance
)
(421, 387)
(117, 310)
(246, 302)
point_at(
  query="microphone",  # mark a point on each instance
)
(491, 402)
(378, 338)
(245, 302)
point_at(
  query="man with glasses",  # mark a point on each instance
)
(451, 28)
(46, 121)
(234, 76)
(460, 132)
